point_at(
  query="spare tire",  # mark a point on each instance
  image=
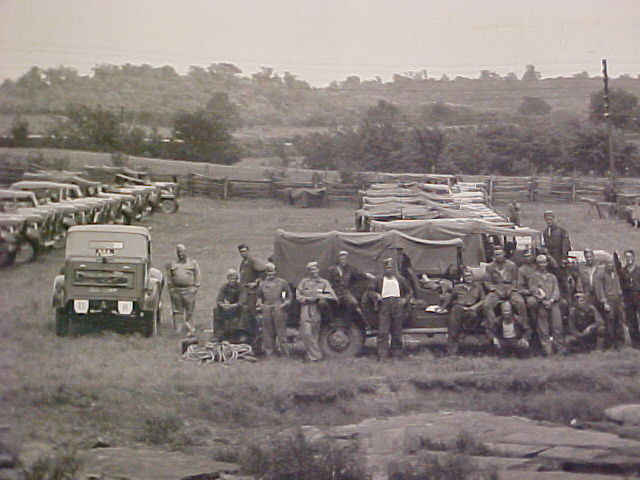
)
(341, 340)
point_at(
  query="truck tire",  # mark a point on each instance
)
(6, 259)
(168, 206)
(341, 340)
(149, 323)
(26, 251)
(62, 322)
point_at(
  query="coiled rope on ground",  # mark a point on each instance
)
(221, 352)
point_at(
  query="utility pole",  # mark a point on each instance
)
(607, 119)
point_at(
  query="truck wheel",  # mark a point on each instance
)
(341, 341)
(149, 323)
(26, 252)
(62, 322)
(168, 206)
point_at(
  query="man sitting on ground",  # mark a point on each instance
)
(511, 333)
(585, 328)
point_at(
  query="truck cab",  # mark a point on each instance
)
(107, 278)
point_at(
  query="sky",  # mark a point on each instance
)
(325, 40)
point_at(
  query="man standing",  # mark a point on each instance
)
(313, 294)
(250, 271)
(586, 273)
(608, 293)
(585, 325)
(183, 280)
(228, 311)
(342, 275)
(274, 296)
(544, 289)
(500, 280)
(392, 292)
(511, 333)
(463, 305)
(556, 240)
(630, 283)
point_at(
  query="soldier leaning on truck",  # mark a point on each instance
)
(183, 280)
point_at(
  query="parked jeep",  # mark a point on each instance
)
(42, 225)
(107, 278)
(165, 197)
(56, 195)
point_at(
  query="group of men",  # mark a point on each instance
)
(543, 298)
(565, 307)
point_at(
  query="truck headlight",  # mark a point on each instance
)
(125, 307)
(81, 306)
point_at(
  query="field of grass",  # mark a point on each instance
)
(128, 389)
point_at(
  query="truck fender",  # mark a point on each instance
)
(58, 299)
(153, 290)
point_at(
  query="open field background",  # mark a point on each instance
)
(127, 389)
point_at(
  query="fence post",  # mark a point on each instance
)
(491, 189)
(532, 189)
(190, 183)
(574, 182)
(225, 188)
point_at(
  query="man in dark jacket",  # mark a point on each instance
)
(586, 273)
(630, 283)
(228, 311)
(556, 240)
(250, 272)
(543, 286)
(342, 277)
(392, 292)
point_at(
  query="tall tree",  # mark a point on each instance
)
(623, 108)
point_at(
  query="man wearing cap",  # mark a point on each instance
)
(511, 333)
(556, 240)
(630, 283)
(585, 325)
(500, 281)
(250, 271)
(273, 296)
(183, 280)
(463, 304)
(544, 289)
(314, 294)
(608, 294)
(342, 275)
(392, 292)
(227, 313)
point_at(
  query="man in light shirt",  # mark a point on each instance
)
(630, 283)
(392, 292)
(608, 293)
(586, 273)
(543, 286)
(511, 333)
(183, 280)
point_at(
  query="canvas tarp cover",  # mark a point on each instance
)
(470, 230)
(305, 197)
(292, 251)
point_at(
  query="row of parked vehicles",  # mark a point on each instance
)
(37, 212)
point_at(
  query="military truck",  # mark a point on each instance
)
(107, 279)
(342, 336)
(9, 226)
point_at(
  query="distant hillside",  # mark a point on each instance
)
(152, 96)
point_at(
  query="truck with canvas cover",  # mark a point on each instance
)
(478, 235)
(344, 334)
(107, 278)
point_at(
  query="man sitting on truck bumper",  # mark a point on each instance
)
(464, 304)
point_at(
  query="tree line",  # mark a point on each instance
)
(386, 140)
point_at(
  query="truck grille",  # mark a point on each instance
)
(104, 279)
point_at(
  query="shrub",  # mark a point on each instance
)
(445, 467)
(292, 457)
(60, 466)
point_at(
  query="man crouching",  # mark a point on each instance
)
(511, 333)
